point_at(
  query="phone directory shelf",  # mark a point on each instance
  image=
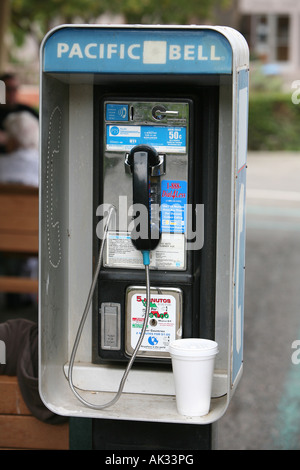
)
(155, 402)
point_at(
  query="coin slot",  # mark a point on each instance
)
(131, 113)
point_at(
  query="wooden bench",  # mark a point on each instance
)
(19, 228)
(19, 215)
(19, 429)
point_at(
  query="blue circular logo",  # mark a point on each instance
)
(114, 130)
(152, 340)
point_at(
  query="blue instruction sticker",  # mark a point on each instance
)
(164, 139)
(173, 206)
(116, 112)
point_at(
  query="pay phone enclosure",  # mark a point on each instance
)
(73, 92)
(165, 127)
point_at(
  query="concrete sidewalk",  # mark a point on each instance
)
(264, 414)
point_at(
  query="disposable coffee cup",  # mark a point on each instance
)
(193, 366)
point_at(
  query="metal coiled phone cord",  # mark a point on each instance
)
(83, 319)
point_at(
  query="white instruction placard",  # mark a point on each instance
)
(161, 329)
(121, 253)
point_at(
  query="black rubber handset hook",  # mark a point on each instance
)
(142, 159)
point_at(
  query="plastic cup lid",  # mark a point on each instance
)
(193, 346)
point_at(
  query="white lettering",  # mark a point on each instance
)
(2, 352)
(88, 53)
(295, 95)
(295, 356)
(189, 52)
(116, 460)
(139, 227)
(200, 54)
(62, 48)
(101, 51)
(75, 50)
(111, 49)
(174, 52)
(213, 53)
(130, 53)
(2, 92)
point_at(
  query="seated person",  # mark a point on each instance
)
(21, 162)
(11, 105)
(20, 165)
(20, 337)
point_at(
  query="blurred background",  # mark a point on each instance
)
(265, 411)
(271, 28)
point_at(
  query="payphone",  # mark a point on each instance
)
(143, 158)
(147, 149)
(162, 132)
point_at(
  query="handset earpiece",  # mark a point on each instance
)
(141, 160)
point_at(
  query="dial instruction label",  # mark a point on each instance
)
(121, 253)
(173, 206)
(161, 328)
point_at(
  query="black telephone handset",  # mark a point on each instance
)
(142, 159)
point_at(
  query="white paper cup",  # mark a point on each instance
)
(193, 366)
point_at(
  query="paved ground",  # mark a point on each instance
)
(265, 411)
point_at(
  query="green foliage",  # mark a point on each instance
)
(35, 16)
(165, 11)
(273, 122)
(260, 82)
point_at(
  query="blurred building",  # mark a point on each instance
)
(272, 29)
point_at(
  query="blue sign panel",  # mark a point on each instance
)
(173, 206)
(240, 226)
(140, 51)
(116, 112)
